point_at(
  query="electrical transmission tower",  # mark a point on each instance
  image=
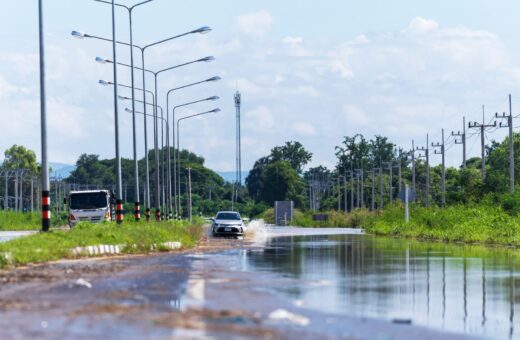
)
(511, 147)
(461, 141)
(482, 128)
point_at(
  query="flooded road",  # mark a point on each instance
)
(445, 287)
(281, 283)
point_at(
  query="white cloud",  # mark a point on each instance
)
(294, 47)
(254, 24)
(304, 129)
(420, 25)
(355, 116)
(259, 119)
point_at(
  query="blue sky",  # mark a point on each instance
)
(308, 72)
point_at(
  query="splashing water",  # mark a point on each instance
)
(257, 231)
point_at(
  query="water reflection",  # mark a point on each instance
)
(457, 288)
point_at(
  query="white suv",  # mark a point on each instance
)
(228, 223)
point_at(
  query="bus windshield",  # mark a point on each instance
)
(91, 200)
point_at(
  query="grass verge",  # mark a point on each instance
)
(15, 221)
(336, 219)
(473, 224)
(56, 245)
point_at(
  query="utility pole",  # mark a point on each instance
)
(413, 165)
(373, 189)
(345, 193)
(339, 193)
(6, 191)
(362, 187)
(462, 141)
(391, 193)
(443, 153)
(189, 196)
(381, 188)
(511, 147)
(358, 177)
(482, 128)
(426, 155)
(399, 169)
(352, 190)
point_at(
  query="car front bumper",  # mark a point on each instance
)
(228, 230)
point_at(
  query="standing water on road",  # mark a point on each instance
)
(462, 289)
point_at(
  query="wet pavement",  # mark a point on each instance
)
(274, 284)
(10, 235)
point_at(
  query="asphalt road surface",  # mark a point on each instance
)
(204, 292)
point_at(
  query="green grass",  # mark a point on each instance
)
(10, 220)
(481, 224)
(335, 219)
(56, 245)
(485, 223)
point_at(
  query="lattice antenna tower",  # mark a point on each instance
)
(238, 104)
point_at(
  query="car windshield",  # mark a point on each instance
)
(93, 200)
(228, 216)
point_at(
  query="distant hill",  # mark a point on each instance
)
(230, 176)
(62, 170)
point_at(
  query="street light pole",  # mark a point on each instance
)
(212, 79)
(137, 204)
(46, 200)
(156, 123)
(178, 143)
(213, 98)
(119, 208)
(202, 30)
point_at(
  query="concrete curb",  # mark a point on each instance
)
(118, 249)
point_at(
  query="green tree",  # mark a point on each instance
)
(281, 182)
(18, 157)
(294, 153)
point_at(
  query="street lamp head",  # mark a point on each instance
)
(77, 34)
(216, 78)
(104, 82)
(202, 30)
(207, 59)
(123, 98)
(102, 60)
(128, 110)
(213, 98)
(215, 111)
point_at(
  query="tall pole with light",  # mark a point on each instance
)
(137, 204)
(156, 123)
(178, 143)
(176, 151)
(201, 30)
(119, 202)
(46, 200)
(212, 79)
